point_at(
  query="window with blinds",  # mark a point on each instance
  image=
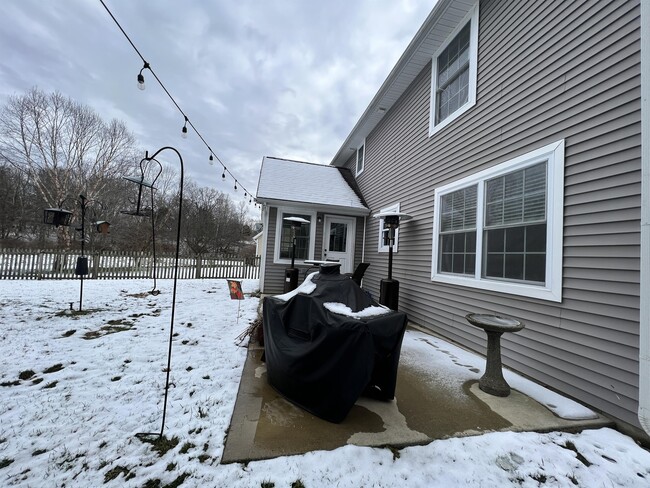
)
(458, 232)
(501, 228)
(515, 225)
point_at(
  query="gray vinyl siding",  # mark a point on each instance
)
(547, 70)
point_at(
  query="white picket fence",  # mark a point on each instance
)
(29, 264)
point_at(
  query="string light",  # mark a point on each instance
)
(141, 86)
(141, 76)
(211, 160)
(184, 129)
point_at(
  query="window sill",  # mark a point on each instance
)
(441, 125)
(531, 291)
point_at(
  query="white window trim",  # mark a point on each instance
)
(278, 233)
(472, 16)
(363, 159)
(380, 245)
(552, 289)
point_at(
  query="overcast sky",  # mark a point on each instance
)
(284, 78)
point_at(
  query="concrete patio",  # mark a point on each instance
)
(265, 425)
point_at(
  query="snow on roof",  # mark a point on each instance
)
(283, 180)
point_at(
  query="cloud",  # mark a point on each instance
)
(286, 79)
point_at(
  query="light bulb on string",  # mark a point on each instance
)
(211, 160)
(235, 185)
(141, 76)
(184, 129)
(223, 175)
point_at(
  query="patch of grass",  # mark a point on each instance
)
(540, 478)
(161, 444)
(5, 462)
(105, 330)
(185, 342)
(68, 333)
(297, 484)
(152, 483)
(171, 467)
(267, 484)
(27, 374)
(395, 451)
(127, 361)
(203, 458)
(10, 383)
(186, 447)
(51, 385)
(3, 440)
(573, 479)
(36, 381)
(111, 474)
(75, 314)
(572, 447)
(189, 368)
(38, 452)
(53, 369)
(205, 447)
(178, 481)
(206, 377)
(119, 322)
(103, 444)
(203, 413)
(116, 378)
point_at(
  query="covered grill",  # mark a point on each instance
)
(328, 342)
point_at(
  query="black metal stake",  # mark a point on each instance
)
(82, 200)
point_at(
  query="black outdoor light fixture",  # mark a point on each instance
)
(389, 289)
(291, 274)
(60, 216)
(141, 183)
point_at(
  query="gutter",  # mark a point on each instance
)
(644, 308)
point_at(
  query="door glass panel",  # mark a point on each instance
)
(338, 237)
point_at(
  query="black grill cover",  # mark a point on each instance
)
(324, 361)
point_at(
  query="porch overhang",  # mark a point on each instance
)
(328, 209)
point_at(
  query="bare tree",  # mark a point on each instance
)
(63, 147)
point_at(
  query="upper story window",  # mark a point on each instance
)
(453, 79)
(501, 229)
(384, 244)
(361, 155)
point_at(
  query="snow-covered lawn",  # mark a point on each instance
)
(76, 388)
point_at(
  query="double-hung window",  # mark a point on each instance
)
(361, 154)
(453, 76)
(501, 229)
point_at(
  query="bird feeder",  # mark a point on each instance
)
(57, 216)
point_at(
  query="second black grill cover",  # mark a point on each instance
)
(323, 361)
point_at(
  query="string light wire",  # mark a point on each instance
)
(162, 85)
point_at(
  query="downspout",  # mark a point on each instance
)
(363, 242)
(644, 311)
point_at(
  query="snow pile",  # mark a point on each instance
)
(342, 309)
(307, 287)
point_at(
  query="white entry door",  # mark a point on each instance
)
(338, 241)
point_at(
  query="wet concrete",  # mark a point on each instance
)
(265, 425)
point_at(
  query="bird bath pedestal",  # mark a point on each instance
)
(492, 381)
